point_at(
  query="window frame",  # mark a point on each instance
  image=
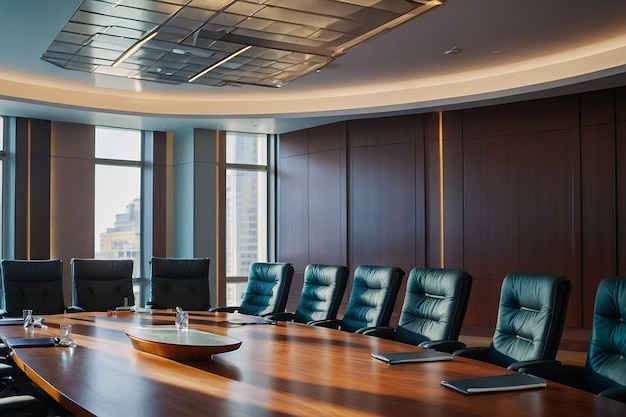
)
(139, 280)
(267, 168)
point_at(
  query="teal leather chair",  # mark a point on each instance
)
(267, 290)
(530, 320)
(372, 298)
(322, 292)
(180, 282)
(433, 311)
(604, 372)
(102, 284)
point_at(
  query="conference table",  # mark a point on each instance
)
(280, 369)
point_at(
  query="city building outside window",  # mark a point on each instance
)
(246, 209)
(118, 196)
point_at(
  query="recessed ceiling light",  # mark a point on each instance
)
(453, 51)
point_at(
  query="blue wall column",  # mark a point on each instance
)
(196, 225)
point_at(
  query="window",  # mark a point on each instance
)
(118, 196)
(246, 209)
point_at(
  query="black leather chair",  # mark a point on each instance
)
(604, 372)
(372, 299)
(32, 284)
(22, 405)
(433, 311)
(102, 284)
(322, 292)
(180, 282)
(530, 321)
(267, 290)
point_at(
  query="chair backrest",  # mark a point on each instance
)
(180, 282)
(102, 284)
(372, 298)
(531, 316)
(434, 305)
(323, 289)
(267, 289)
(33, 284)
(605, 367)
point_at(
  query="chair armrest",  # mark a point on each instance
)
(615, 393)
(7, 370)
(382, 332)
(22, 404)
(74, 309)
(281, 316)
(479, 353)
(449, 346)
(225, 309)
(554, 371)
(333, 324)
(528, 366)
(3, 312)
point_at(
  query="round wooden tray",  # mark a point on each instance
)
(176, 344)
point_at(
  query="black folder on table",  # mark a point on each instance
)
(10, 321)
(20, 342)
(508, 382)
(413, 356)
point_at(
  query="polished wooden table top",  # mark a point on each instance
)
(284, 369)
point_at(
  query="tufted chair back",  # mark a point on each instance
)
(102, 284)
(35, 285)
(323, 289)
(605, 367)
(180, 282)
(531, 316)
(434, 305)
(373, 296)
(267, 289)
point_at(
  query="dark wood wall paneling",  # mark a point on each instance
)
(529, 186)
(39, 189)
(521, 193)
(22, 133)
(598, 173)
(293, 211)
(32, 205)
(72, 204)
(386, 187)
(452, 147)
(159, 195)
(312, 200)
(382, 224)
(327, 195)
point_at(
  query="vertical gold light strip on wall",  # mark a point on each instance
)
(441, 226)
(28, 186)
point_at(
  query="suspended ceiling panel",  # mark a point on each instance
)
(221, 42)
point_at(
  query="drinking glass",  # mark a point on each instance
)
(182, 320)
(28, 317)
(66, 335)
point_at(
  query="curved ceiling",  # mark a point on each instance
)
(508, 50)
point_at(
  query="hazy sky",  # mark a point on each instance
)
(116, 186)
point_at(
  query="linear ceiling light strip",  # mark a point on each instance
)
(222, 62)
(134, 48)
